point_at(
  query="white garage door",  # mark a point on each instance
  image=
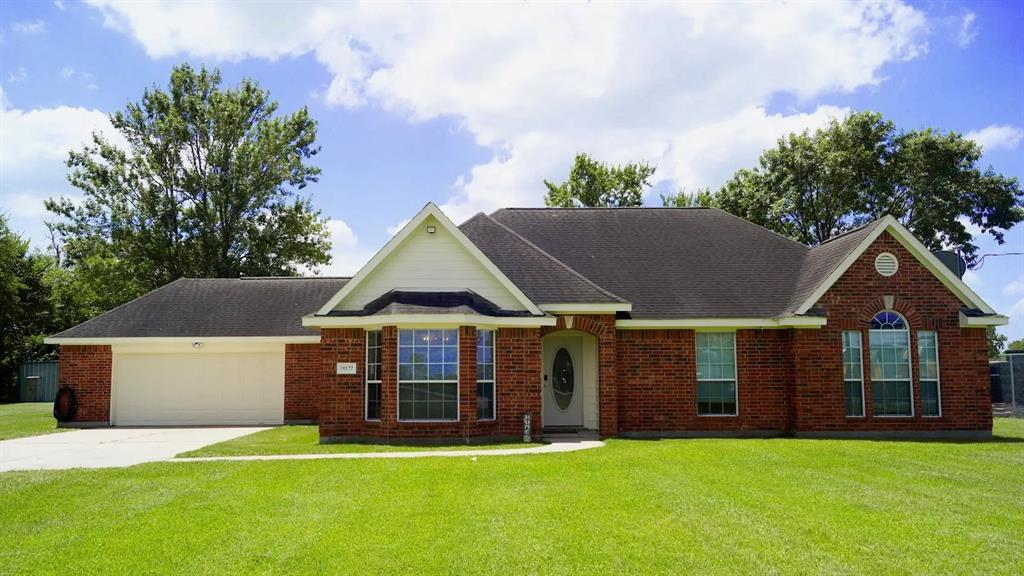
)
(199, 388)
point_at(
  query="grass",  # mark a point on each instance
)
(306, 440)
(27, 419)
(716, 506)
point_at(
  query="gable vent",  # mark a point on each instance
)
(886, 264)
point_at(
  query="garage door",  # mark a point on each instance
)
(199, 388)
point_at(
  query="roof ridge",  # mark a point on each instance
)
(765, 228)
(541, 251)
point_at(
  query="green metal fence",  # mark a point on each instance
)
(37, 381)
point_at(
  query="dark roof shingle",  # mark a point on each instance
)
(211, 307)
(669, 262)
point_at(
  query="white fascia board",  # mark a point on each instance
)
(312, 339)
(434, 320)
(430, 209)
(983, 321)
(917, 249)
(722, 323)
(596, 308)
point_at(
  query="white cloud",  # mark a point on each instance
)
(968, 30)
(18, 75)
(683, 86)
(996, 136)
(59, 4)
(392, 230)
(85, 78)
(1014, 287)
(33, 147)
(347, 256)
(67, 72)
(29, 27)
(974, 280)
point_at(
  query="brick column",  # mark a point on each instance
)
(467, 379)
(608, 376)
(388, 380)
(341, 395)
(86, 369)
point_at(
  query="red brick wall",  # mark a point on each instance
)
(86, 369)
(302, 374)
(927, 305)
(517, 357)
(658, 382)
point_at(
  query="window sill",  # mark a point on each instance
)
(894, 416)
(717, 415)
(486, 419)
(438, 421)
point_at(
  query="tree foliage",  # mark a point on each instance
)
(702, 198)
(996, 342)
(207, 187)
(1016, 346)
(596, 184)
(813, 186)
(25, 309)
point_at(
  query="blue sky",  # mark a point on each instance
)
(473, 108)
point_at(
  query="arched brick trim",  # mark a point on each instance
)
(914, 321)
(595, 325)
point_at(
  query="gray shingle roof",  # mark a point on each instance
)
(668, 262)
(543, 278)
(823, 259)
(215, 307)
(410, 302)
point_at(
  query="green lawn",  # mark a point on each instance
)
(664, 507)
(306, 440)
(26, 419)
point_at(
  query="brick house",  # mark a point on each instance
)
(630, 322)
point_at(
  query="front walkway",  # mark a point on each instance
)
(558, 444)
(109, 447)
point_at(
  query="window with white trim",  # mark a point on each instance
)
(928, 370)
(373, 375)
(891, 392)
(716, 374)
(853, 373)
(428, 374)
(485, 388)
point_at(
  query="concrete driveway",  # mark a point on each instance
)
(109, 447)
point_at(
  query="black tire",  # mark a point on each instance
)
(65, 405)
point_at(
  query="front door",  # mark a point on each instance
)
(563, 383)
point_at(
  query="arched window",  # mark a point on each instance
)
(891, 391)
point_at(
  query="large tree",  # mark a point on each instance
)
(207, 186)
(25, 310)
(592, 183)
(814, 185)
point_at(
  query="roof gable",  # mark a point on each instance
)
(545, 279)
(828, 262)
(441, 260)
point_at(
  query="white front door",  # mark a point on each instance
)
(563, 380)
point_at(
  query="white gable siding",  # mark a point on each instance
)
(430, 262)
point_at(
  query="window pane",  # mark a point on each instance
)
(891, 398)
(929, 398)
(428, 372)
(716, 398)
(854, 398)
(485, 400)
(373, 401)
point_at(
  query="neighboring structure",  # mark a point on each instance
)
(632, 322)
(37, 381)
(1007, 377)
